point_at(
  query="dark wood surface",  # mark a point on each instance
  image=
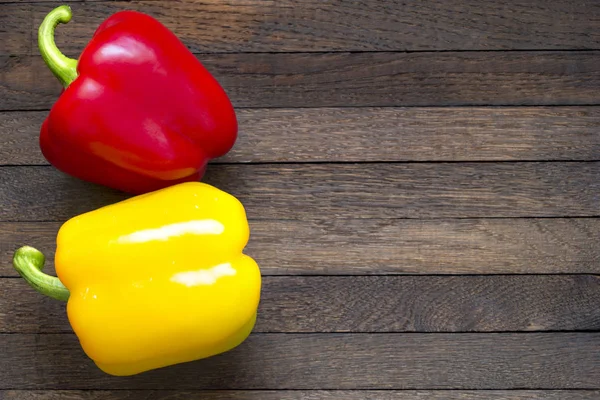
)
(337, 25)
(357, 190)
(422, 181)
(361, 79)
(372, 304)
(300, 394)
(391, 134)
(554, 360)
(352, 246)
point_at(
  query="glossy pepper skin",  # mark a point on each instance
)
(155, 280)
(139, 112)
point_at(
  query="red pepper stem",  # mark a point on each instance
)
(29, 263)
(63, 67)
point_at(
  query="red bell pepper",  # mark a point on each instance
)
(139, 112)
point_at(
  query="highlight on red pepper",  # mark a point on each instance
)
(139, 111)
(155, 280)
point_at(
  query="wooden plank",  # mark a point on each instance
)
(376, 304)
(15, 29)
(328, 361)
(64, 2)
(301, 395)
(387, 246)
(378, 25)
(376, 134)
(319, 191)
(24, 2)
(362, 79)
(70, 2)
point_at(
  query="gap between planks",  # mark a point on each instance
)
(380, 394)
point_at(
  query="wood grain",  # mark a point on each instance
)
(24, 2)
(15, 29)
(376, 304)
(301, 395)
(315, 191)
(328, 361)
(376, 25)
(376, 134)
(362, 79)
(387, 246)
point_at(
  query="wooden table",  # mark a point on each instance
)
(422, 180)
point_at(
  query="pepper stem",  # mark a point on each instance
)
(29, 263)
(63, 67)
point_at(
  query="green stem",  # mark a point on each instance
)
(29, 263)
(63, 67)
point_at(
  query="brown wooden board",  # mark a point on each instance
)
(315, 191)
(361, 79)
(287, 25)
(376, 304)
(387, 246)
(23, 2)
(376, 134)
(328, 361)
(301, 395)
(66, 2)
(15, 28)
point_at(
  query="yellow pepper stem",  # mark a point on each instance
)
(29, 263)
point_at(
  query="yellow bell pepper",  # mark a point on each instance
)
(155, 280)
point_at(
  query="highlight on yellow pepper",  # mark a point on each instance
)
(155, 280)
